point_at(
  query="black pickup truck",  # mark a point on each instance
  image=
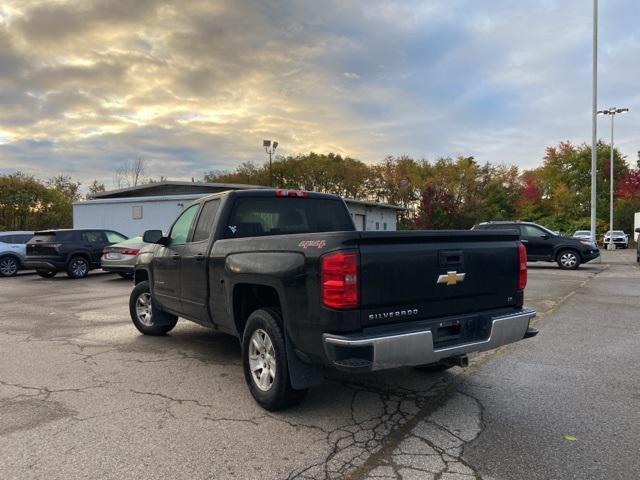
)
(287, 273)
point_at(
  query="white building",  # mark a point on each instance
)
(133, 210)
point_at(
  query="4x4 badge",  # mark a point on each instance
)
(451, 278)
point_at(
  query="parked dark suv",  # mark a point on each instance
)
(74, 251)
(543, 245)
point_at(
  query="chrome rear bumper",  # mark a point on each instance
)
(416, 347)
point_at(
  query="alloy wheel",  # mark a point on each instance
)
(8, 266)
(262, 360)
(79, 267)
(143, 309)
(568, 259)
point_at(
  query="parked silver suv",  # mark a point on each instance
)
(12, 251)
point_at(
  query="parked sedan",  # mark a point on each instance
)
(121, 257)
(12, 252)
(620, 239)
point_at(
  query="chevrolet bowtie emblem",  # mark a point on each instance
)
(451, 278)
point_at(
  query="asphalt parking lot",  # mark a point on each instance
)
(83, 395)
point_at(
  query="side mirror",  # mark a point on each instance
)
(637, 230)
(152, 236)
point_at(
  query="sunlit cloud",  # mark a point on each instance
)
(195, 85)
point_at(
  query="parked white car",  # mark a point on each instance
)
(620, 239)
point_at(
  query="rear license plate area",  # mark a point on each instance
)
(459, 331)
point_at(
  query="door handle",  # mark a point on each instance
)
(175, 256)
(524, 241)
(199, 257)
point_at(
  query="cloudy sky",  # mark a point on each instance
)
(195, 85)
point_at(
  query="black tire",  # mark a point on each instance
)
(9, 266)
(46, 273)
(78, 267)
(158, 322)
(278, 393)
(568, 259)
(128, 276)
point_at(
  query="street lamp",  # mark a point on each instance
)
(270, 147)
(612, 111)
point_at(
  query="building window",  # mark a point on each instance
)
(377, 225)
(384, 225)
(136, 212)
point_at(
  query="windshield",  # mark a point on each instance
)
(616, 232)
(583, 233)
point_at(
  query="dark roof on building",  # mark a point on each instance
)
(171, 188)
(184, 188)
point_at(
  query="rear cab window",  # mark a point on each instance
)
(261, 216)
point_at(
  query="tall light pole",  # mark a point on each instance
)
(612, 112)
(594, 121)
(270, 147)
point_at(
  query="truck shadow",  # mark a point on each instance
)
(190, 341)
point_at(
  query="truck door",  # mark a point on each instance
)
(195, 261)
(167, 262)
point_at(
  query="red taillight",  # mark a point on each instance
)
(522, 260)
(339, 279)
(120, 250)
(291, 193)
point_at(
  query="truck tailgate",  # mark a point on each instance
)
(410, 275)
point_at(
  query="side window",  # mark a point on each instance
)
(93, 237)
(24, 238)
(4, 239)
(204, 226)
(180, 229)
(113, 237)
(530, 231)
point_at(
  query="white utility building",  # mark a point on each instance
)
(133, 210)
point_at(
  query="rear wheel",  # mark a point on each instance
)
(46, 273)
(8, 266)
(146, 315)
(78, 267)
(568, 259)
(264, 360)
